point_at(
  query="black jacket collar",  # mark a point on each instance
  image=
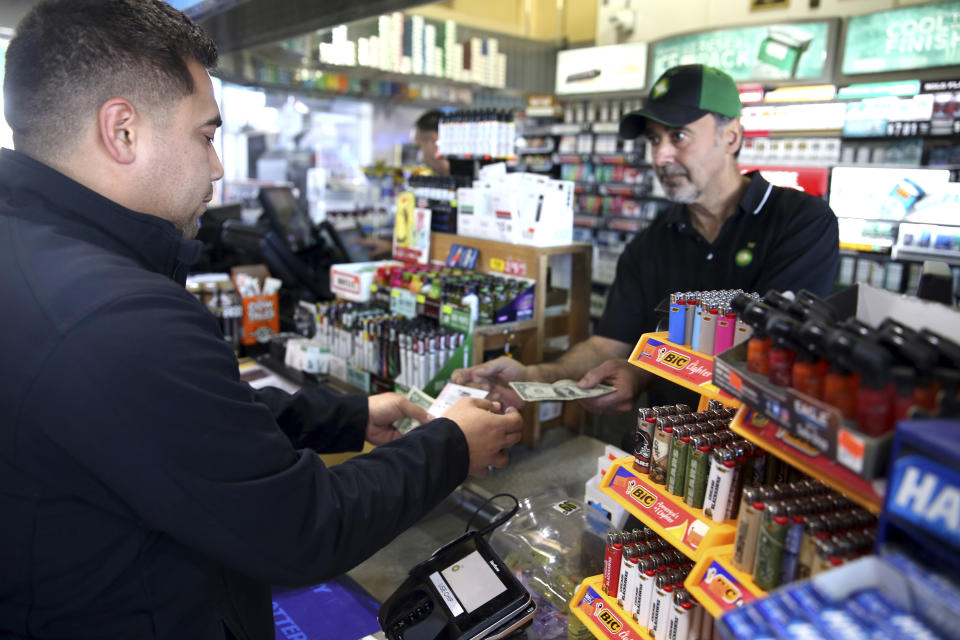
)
(154, 242)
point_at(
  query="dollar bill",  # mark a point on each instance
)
(419, 398)
(561, 390)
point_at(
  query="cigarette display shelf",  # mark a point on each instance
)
(719, 586)
(681, 365)
(687, 529)
(765, 433)
(602, 615)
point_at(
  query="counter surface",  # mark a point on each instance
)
(562, 459)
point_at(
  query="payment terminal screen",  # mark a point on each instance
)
(473, 581)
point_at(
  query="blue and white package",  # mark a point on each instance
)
(862, 614)
(831, 618)
(788, 621)
(892, 618)
(746, 623)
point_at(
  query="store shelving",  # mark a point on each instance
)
(632, 159)
(687, 529)
(765, 433)
(602, 615)
(719, 586)
(679, 364)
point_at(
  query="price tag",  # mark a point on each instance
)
(403, 302)
(359, 379)
(515, 268)
(907, 129)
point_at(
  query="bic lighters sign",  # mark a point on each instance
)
(688, 365)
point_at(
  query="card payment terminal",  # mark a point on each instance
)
(464, 591)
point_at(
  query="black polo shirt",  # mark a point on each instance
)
(778, 238)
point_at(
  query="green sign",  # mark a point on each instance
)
(901, 39)
(455, 318)
(879, 90)
(770, 52)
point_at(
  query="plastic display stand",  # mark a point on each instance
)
(684, 527)
(718, 586)
(768, 435)
(681, 365)
(602, 615)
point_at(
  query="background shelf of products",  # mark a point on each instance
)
(529, 339)
(794, 143)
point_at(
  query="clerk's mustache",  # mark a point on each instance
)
(671, 171)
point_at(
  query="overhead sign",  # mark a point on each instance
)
(618, 67)
(911, 38)
(773, 52)
(879, 90)
(817, 93)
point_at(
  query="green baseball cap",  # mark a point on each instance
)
(682, 95)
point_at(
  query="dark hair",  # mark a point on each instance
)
(430, 121)
(68, 57)
(722, 121)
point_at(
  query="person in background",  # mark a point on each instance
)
(724, 230)
(425, 135)
(147, 492)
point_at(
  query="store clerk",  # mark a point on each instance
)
(723, 231)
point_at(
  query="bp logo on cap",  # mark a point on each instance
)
(743, 257)
(660, 88)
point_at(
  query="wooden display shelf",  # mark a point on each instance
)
(765, 433)
(684, 527)
(526, 338)
(719, 586)
(681, 365)
(602, 615)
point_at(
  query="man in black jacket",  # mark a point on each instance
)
(145, 491)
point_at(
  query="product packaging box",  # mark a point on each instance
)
(261, 315)
(816, 428)
(519, 208)
(352, 280)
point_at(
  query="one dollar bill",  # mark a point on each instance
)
(419, 398)
(561, 390)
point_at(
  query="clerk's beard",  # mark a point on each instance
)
(682, 191)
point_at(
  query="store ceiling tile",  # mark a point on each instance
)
(259, 22)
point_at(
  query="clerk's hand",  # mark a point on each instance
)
(488, 434)
(627, 379)
(493, 376)
(385, 409)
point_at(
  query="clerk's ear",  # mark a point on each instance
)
(733, 136)
(118, 122)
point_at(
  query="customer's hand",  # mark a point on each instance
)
(626, 378)
(494, 376)
(488, 434)
(385, 409)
